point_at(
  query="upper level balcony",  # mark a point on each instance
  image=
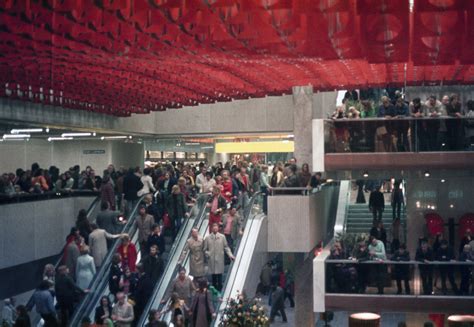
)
(399, 143)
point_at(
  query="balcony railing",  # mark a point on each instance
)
(408, 278)
(405, 134)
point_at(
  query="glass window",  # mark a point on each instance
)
(168, 155)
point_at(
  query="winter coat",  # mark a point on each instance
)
(214, 247)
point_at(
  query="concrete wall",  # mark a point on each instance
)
(259, 259)
(65, 154)
(297, 223)
(258, 115)
(35, 230)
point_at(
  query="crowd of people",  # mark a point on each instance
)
(431, 257)
(168, 192)
(441, 129)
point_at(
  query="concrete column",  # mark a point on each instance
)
(304, 315)
(302, 117)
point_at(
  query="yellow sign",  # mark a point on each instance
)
(256, 147)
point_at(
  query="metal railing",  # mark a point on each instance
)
(399, 134)
(29, 197)
(172, 266)
(87, 304)
(355, 276)
(237, 246)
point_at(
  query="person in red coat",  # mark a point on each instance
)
(216, 205)
(128, 252)
(227, 186)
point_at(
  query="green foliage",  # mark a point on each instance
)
(243, 312)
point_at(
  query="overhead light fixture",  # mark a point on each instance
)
(16, 136)
(47, 130)
(26, 130)
(427, 173)
(75, 134)
(192, 143)
(365, 174)
(290, 135)
(59, 138)
(443, 180)
(116, 137)
(451, 206)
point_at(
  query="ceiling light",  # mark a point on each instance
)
(26, 130)
(59, 138)
(117, 137)
(47, 129)
(290, 135)
(365, 174)
(427, 173)
(16, 136)
(75, 134)
(443, 180)
(451, 206)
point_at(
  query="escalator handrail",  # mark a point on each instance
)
(59, 260)
(197, 221)
(104, 268)
(246, 214)
(202, 227)
(236, 249)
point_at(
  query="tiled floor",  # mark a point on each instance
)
(290, 314)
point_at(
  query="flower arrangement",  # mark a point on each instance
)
(244, 312)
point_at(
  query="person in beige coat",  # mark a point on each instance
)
(195, 248)
(215, 245)
(98, 244)
(144, 223)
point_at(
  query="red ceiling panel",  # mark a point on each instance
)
(121, 57)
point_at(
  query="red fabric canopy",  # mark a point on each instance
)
(121, 56)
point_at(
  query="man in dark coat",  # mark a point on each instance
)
(66, 293)
(153, 265)
(376, 204)
(445, 254)
(142, 292)
(425, 255)
(278, 303)
(131, 185)
(402, 271)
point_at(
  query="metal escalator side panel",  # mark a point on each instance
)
(98, 282)
(170, 270)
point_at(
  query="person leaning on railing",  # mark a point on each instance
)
(377, 253)
(402, 272)
(424, 254)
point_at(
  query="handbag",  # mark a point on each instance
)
(166, 220)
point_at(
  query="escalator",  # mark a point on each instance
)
(102, 289)
(198, 221)
(91, 214)
(99, 284)
(235, 276)
(204, 231)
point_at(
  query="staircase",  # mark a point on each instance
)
(359, 219)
